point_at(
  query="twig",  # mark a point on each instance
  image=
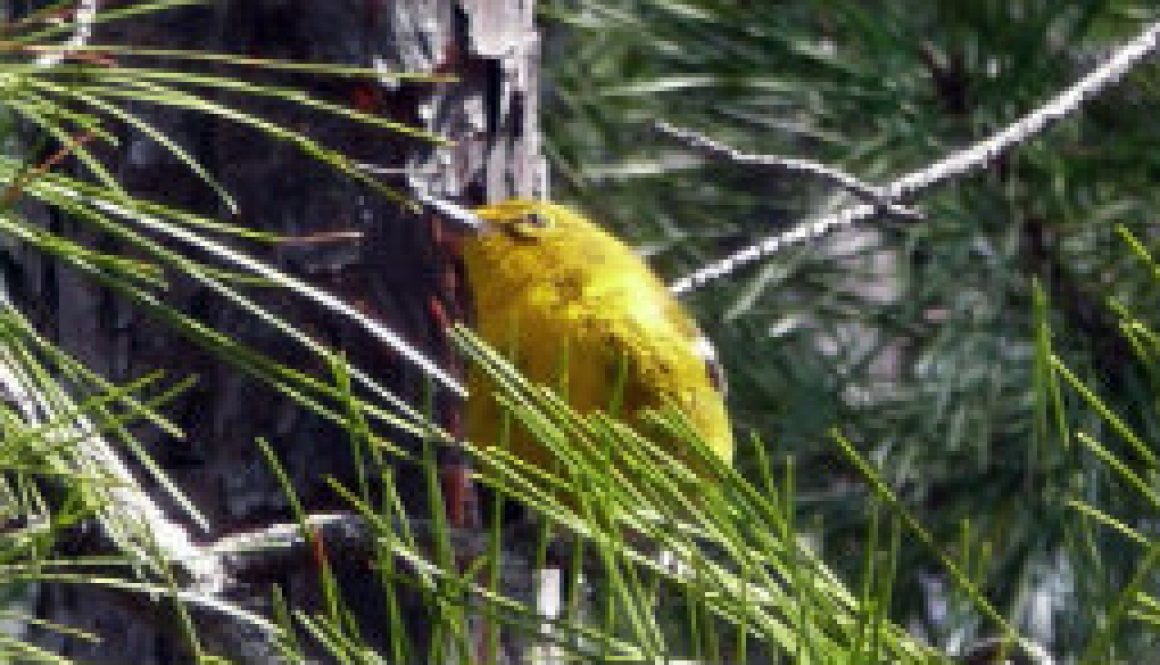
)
(793, 165)
(958, 163)
(321, 238)
(13, 191)
(72, 53)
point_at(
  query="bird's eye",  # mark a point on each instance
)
(538, 220)
(527, 227)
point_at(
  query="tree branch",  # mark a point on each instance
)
(972, 158)
(792, 165)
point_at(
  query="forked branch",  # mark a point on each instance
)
(962, 162)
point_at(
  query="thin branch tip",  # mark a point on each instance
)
(957, 164)
(716, 150)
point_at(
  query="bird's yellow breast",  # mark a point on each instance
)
(550, 287)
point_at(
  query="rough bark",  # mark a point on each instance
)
(396, 273)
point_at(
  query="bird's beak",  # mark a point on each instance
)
(453, 212)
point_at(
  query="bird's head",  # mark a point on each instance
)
(528, 218)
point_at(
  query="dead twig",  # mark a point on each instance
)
(321, 238)
(789, 165)
(16, 187)
(959, 163)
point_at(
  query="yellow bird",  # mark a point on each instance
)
(544, 279)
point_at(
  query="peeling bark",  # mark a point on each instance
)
(401, 272)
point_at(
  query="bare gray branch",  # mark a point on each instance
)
(792, 165)
(959, 163)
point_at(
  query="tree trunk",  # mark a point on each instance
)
(400, 272)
